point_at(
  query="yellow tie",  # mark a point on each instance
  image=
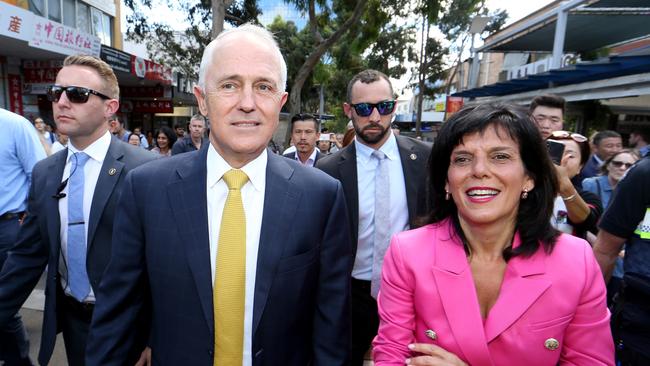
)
(230, 276)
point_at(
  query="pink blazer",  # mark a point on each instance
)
(428, 296)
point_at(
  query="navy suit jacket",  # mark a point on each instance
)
(292, 156)
(161, 251)
(39, 244)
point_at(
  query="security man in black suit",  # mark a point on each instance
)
(383, 178)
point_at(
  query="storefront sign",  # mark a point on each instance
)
(117, 59)
(150, 70)
(41, 71)
(15, 94)
(16, 22)
(454, 104)
(152, 106)
(143, 92)
(56, 37)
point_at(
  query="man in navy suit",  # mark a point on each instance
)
(304, 134)
(168, 236)
(71, 205)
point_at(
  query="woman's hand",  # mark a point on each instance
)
(145, 358)
(433, 355)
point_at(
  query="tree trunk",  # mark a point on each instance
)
(421, 76)
(313, 58)
(218, 16)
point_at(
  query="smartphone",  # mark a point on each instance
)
(555, 150)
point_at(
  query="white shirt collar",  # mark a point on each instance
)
(97, 150)
(312, 157)
(217, 167)
(389, 148)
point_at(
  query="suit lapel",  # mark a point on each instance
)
(51, 209)
(281, 199)
(105, 185)
(454, 281)
(521, 287)
(348, 172)
(187, 197)
(410, 166)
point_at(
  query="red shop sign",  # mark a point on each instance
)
(15, 94)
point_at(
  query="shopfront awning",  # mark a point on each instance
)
(590, 26)
(580, 73)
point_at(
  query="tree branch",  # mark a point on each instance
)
(312, 23)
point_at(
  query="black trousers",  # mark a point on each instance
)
(14, 343)
(365, 320)
(74, 321)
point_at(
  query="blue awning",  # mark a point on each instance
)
(587, 71)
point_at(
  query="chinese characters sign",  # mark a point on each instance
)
(15, 94)
(56, 37)
(15, 22)
(152, 106)
(41, 71)
(150, 70)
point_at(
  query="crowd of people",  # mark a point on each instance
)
(492, 246)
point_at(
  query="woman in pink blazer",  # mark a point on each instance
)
(488, 281)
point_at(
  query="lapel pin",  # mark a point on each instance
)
(112, 171)
(413, 156)
(551, 344)
(431, 334)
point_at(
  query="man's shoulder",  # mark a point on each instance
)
(423, 147)
(307, 177)
(290, 155)
(330, 161)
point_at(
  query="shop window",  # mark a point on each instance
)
(69, 16)
(101, 26)
(37, 7)
(83, 17)
(54, 10)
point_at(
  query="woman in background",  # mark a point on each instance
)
(134, 139)
(165, 139)
(575, 211)
(488, 280)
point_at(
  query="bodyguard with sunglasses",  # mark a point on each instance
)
(71, 204)
(383, 178)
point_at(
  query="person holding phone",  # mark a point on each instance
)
(575, 210)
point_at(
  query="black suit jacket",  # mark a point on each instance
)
(162, 251)
(292, 156)
(39, 237)
(414, 155)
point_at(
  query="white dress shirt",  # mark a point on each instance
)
(253, 200)
(399, 213)
(310, 161)
(97, 152)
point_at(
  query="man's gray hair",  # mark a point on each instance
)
(249, 29)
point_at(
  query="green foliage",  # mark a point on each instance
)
(182, 50)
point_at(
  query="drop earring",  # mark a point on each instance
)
(447, 195)
(524, 194)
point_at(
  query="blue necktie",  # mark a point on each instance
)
(77, 275)
(382, 220)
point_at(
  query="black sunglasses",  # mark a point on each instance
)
(365, 109)
(75, 94)
(619, 164)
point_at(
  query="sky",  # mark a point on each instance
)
(517, 9)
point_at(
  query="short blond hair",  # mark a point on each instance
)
(112, 89)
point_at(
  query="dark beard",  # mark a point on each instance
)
(370, 139)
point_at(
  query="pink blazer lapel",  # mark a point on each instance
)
(458, 295)
(522, 286)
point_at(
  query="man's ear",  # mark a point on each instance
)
(201, 100)
(347, 109)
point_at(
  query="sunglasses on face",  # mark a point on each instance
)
(75, 94)
(365, 109)
(618, 164)
(568, 135)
